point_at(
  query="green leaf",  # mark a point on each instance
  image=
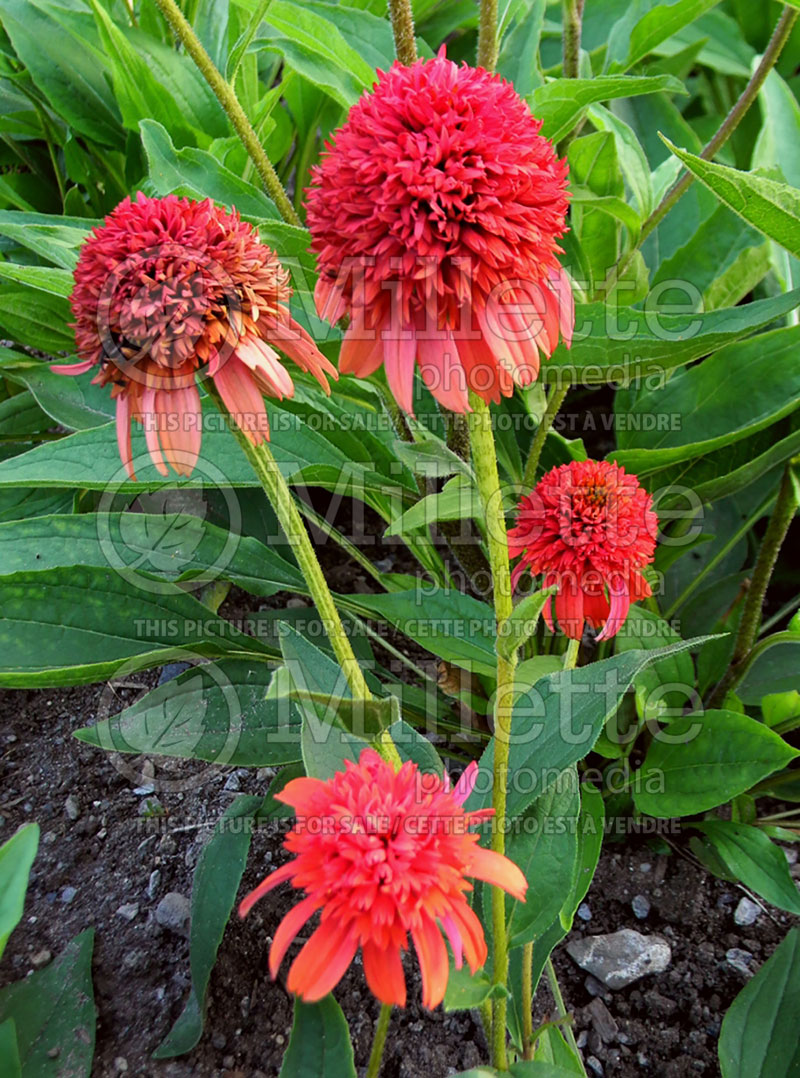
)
(751, 857)
(217, 876)
(198, 174)
(53, 1011)
(731, 395)
(457, 500)
(16, 858)
(36, 319)
(174, 546)
(314, 47)
(656, 25)
(219, 712)
(594, 166)
(430, 457)
(561, 103)
(771, 207)
(56, 239)
(465, 990)
(557, 722)
(71, 401)
(59, 45)
(775, 670)
(453, 626)
(319, 1046)
(522, 623)
(613, 345)
(701, 761)
(544, 844)
(71, 626)
(662, 690)
(56, 282)
(9, 1053)
(531, 1069)
(364, 718)
(759, 1033)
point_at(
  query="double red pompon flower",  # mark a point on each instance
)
(435, 215)
(590, 529)
(167, 286)
(380, 854)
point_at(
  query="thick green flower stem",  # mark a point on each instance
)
(554, 401)
(230, 102)
(405, 45)
(484, 461)
(280, 497)
(571, 38)
(381, 1029)
(782, 516)
(487, 35)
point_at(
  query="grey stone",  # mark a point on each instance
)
(740, 961)
(129, 911)
(622, 957)
(603, 1021)
(595, 987)
(154, 883)
(173, 913)
(595, 1066)
(72, 808)
(233, 782)
(68, 894)
(584, 912)
(746, 913)
(41, 958)
(640, 906)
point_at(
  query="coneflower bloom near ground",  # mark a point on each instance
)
(383, 853)
(435, 216)
(167, 286)
(588, 528)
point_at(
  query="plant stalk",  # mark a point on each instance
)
(526, 1003)
(561, 1009)
(786, 506)
(487, 35)
(230, 102)
(280, 497)
(571, 38)
(405, 45)
(484, 459)
(780, 36)
(378, 1044)
(554, 402)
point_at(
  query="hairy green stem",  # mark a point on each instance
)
(571, 38)
(484, 460)
(405, 45)
(773, 50)
(786, 506)
(554, 402)
(230, 102)
(381, 1029)
(487, 35)
(276, 488)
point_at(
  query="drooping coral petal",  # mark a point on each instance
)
(242, 399)
(275, 878)
(433, 964)
(471, 931)
(151, 420)
(124, 433)
(362, 352)
(72, 368)
(463, 788)
(620, 602)
(322, 962)
(286, 931)
(453, 933)
(383, 969)
(443, 374)
(399, 353)
(498, 870)
(569, 606)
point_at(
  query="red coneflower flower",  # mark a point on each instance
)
(166, 286)
(383, 853)
(590, 529)
(435, 215)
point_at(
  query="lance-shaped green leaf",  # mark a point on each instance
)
(364, 718)
(522, 623)
(771, 207)
(749, 855)
(319, 1046)
(758, 1038)
(56, 239)
(457, 500)
(16, 858)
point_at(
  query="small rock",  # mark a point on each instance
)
(218, 1041)
(53, 1053)
(230, 1061)
(622, 957)
(170, 671)
(583, 1037)
(645, 866)
(603, 1021)
(740, 961)
(233, 783)
(746, 913)
(640, 906)
(153, 883)
(595, 987)
(173, 913)
(72, 808)
(385, 565)
(129, 911)
(68, 894)
(41, 958)
(295, 604)
(595, 1066)
(790, 855)
(120, 1064)
(584, 912)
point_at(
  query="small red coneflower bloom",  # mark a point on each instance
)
(166, 286)
(435, 215)
(382, 853)
(589, 529)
